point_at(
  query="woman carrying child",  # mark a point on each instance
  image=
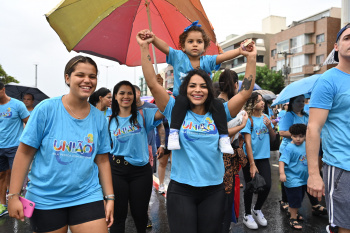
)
(257, 135)
(294, 173)
(195, 197)
(193, 43)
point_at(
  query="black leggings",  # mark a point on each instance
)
(264, 169)
(229, 199)
(182, 105)
(313, 200)
(131, 184)
(195, 209)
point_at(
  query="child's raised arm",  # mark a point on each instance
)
(159, 43)
(233, 53)
(159, 93)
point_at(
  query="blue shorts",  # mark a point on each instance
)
(295, 196)
(7, 155)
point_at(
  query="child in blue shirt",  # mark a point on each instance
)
(193, 43)
(294, 173)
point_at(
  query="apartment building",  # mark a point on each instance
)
(300, 50)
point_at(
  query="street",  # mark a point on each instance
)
(277, 219)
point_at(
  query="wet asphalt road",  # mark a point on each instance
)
(277, 219)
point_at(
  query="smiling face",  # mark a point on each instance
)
(124, 96)
(82, 81)
(197, 91)
(194, 44)
(343, 45)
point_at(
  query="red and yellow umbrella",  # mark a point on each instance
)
(108, 28)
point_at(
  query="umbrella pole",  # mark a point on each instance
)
(150, 27)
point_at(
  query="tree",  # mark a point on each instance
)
(5, 78)
(269, 80)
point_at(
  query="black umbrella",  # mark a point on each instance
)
(17, 91)
(267, 95)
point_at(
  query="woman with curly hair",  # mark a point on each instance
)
(257, 135)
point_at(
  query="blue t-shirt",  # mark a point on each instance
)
(260, 137)
(307, 108)
(282, 113)
(130, 140)
(64, 172)
(11, 124)
(199, 162)
(289, 119)
(295, 167)
(332, 92)
(182, 65)
(108, 112)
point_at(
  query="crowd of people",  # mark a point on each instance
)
(92, 154)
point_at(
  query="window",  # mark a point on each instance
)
(320, 59)
(297, 44)
(273, 52)
(280, 65)
(297, 63)
(320, 38)
(283, 46)
(260, 58)
(274, 68)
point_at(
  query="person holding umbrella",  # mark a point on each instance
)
(329, 112)
(28, 100)
(67, 139)
(196, 194)
(13, 113)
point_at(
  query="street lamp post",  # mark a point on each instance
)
(286, 68)
(36, 75)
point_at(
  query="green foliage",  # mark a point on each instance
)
(269, 80)
(5, 78)
(240, 77)
(216, 76)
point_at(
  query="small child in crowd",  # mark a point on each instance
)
(193, 42)
(294, 173)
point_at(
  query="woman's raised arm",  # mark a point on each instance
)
(159, 93)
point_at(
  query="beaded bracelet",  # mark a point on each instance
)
(11, 195)
(109, 197)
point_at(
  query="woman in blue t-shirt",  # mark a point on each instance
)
(296, 115)
(257, 135)
(102, 100)
(195, 196)
(67, 139)
(131, 170)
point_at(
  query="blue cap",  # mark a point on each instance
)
(338, 37)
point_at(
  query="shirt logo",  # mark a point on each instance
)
(79, 149)
(303, 160)
(192, 130)
(261, 132)
(6, 114)
(122, 134)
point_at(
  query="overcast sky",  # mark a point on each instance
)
(27, 39)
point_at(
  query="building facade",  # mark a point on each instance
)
(300, 50)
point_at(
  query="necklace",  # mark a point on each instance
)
(194, 117)
(70, 108)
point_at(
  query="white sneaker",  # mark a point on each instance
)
(225, 145)
(161, 189)
(173, 140)
(259, 217)
(249, 222)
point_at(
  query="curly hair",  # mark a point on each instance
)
(298, 129)
(184, 35)
(251, 103)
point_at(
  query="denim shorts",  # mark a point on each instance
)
(7, 155)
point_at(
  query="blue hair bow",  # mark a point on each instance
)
(195, 23)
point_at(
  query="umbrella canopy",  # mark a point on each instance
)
(17, 91)
(256, 86)
(266, 94)
(108, 28)
(301, 87)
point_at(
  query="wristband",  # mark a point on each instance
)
(163, 146)
(11, 195)
(109, 197)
